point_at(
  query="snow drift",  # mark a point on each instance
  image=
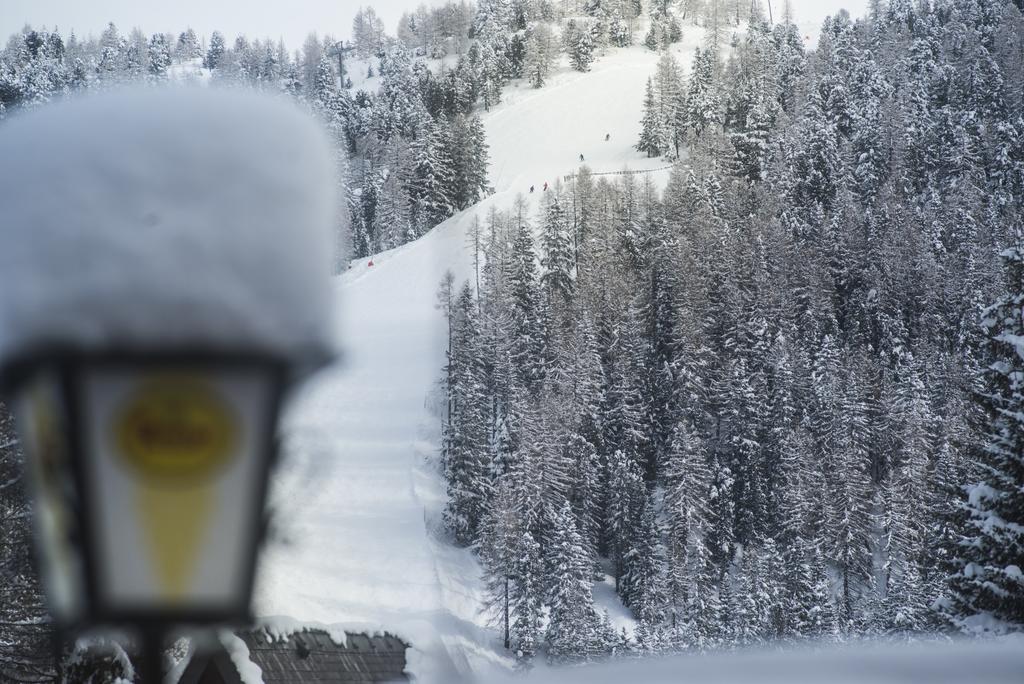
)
(938, 662)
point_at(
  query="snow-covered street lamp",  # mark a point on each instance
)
(149, 472)
(165, 263)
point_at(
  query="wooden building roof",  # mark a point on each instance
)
(308, 656)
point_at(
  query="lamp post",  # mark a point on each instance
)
(150, 473)
(157, 307)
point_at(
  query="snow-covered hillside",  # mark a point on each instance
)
(360, 495)
(538, 135)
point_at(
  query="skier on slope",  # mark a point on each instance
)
(545, 186)
(607, 137)
(531, 189)
(581, 157)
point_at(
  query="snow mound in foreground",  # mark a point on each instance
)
(937, 662)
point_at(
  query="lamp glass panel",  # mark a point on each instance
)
(173, 464)
(42, 422)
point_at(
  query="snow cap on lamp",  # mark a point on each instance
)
(167, 219)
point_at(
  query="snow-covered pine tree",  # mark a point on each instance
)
(584, 445)
(527, 345)
(367, 33)
(324, 92)
(752, 143)
(500, 536)
(720, 533)
(668, 88)
(793, 501)
(769, 591)
(465, 450)
(703, 629)
(687, 481)
(399, 108)
(526, 601)
(653, 139)
(188, 45)
(619, 33)
(492, 28)
(540, 54)
(627, 498)
(470, 158)
(988, 588)
(667, 372)
(215, 51)
(909, 513)
(643, 582)
(159, 55)
(627, 415)
(838, 418)
(556, 248)
(80, 78)
(433, 177)
(573, 624)
(742, 596)
(702, 99)
(715, 22)
(824, 623)
(393, 221)
(578, 40)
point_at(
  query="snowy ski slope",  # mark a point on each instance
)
(360, 494)
(360, 542)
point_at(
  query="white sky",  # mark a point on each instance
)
(288, 19)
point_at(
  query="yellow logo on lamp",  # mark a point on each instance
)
(175, 434)
(176, 430)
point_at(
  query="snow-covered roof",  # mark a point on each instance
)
(166, 218)
(282, 650)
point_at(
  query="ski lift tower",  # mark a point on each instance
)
(165, 262)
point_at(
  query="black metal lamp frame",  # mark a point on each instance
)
(151, 625)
